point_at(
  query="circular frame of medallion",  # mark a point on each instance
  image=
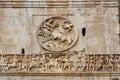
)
(57, 34)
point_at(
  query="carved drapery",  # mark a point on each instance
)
(72, 62)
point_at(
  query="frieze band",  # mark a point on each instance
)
(59, 63)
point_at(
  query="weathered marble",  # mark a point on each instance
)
(97, 23)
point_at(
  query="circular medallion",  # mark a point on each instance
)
(57, 34)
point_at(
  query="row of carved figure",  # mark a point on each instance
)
(75, 62)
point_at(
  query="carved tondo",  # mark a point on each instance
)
(57, 34)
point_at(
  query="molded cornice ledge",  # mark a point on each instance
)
(57, 4)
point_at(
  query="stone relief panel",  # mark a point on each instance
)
(23, 34)
(75, 62)
(101, 42)
(57, 34)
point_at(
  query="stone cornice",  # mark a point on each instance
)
(56, 4)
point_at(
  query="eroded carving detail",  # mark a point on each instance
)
(57, 34)
(72, 62)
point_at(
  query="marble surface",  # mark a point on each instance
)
(19, 22)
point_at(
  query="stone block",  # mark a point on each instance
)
(95, 39)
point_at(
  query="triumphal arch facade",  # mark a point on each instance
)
(59, 40)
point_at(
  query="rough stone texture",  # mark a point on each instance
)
(56, 78)
(19, 26)
(19, 23)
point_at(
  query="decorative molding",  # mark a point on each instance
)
(55, 14)
(71, 63)
(56, 4)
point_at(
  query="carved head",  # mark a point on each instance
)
(67, 26)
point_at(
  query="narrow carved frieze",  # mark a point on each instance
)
(72, 62)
